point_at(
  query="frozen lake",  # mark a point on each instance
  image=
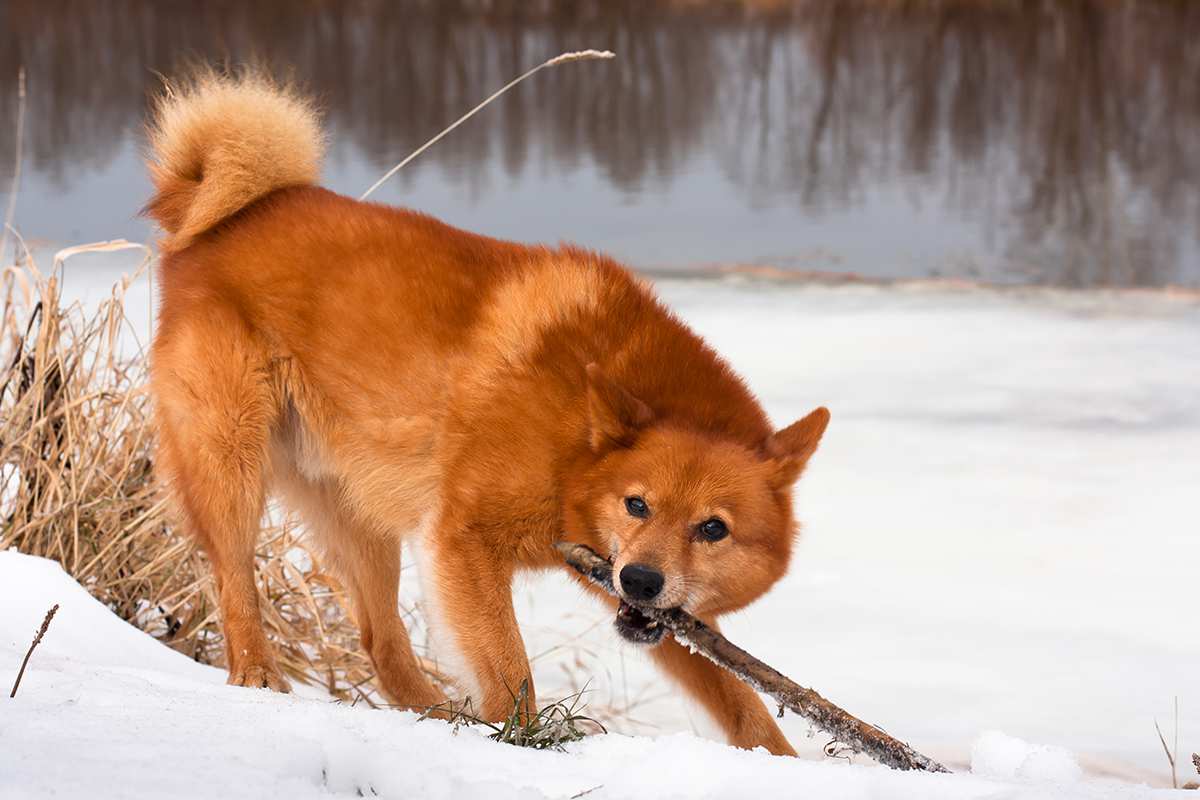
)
(1053, 144)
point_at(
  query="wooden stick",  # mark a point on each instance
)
(859, 736)
(36, 641)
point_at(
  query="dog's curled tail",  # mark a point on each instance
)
(219, 142)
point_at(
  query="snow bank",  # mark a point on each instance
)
(106, 711)
(84, 630)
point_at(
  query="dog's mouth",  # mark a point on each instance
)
(635, 626)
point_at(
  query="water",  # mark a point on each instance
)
(1016, 142)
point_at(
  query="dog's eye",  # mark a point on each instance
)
(712, 530)
(637, 507)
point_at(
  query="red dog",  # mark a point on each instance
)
(396, 379)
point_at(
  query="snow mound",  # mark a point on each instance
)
(106, 710)
(84, 631)
(998, 755)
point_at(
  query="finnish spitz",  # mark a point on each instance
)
(396, 380)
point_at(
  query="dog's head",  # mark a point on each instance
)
(691, 520)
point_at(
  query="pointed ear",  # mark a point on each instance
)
(615, 416)
(790, 448)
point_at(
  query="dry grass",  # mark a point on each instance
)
(549, 728)
(77, 485)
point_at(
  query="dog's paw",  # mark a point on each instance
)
(259, 676)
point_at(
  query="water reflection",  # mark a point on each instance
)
(1066, 130)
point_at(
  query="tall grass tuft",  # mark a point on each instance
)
(550, 727)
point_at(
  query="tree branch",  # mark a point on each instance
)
(859, 736)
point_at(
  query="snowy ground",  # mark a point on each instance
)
(105, 711)
(1000, 534)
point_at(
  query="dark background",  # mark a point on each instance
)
(1038, 142)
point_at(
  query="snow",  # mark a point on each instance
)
(999, 534)
(105, 710)
(998, 755)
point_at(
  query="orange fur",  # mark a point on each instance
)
(390, 377)
(217, 144)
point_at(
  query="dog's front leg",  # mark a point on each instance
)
(734, 705)
(474, 586)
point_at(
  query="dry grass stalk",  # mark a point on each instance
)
(16, 174)
(1171, 752)
(37, 639)
(77, 486)
(563, 58)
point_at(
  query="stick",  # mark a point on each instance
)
(699, 638)
(581, 55)
(36, 641)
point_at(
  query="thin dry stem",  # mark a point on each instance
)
(11, 210)
(36, 641)
(564, 58)
(1171, 752)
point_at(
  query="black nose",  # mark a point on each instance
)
(641, 582)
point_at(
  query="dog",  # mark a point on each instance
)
(394, 379)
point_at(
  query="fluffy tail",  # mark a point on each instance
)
(220, 142)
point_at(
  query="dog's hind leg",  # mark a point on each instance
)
(367, 559)
(215, 410)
